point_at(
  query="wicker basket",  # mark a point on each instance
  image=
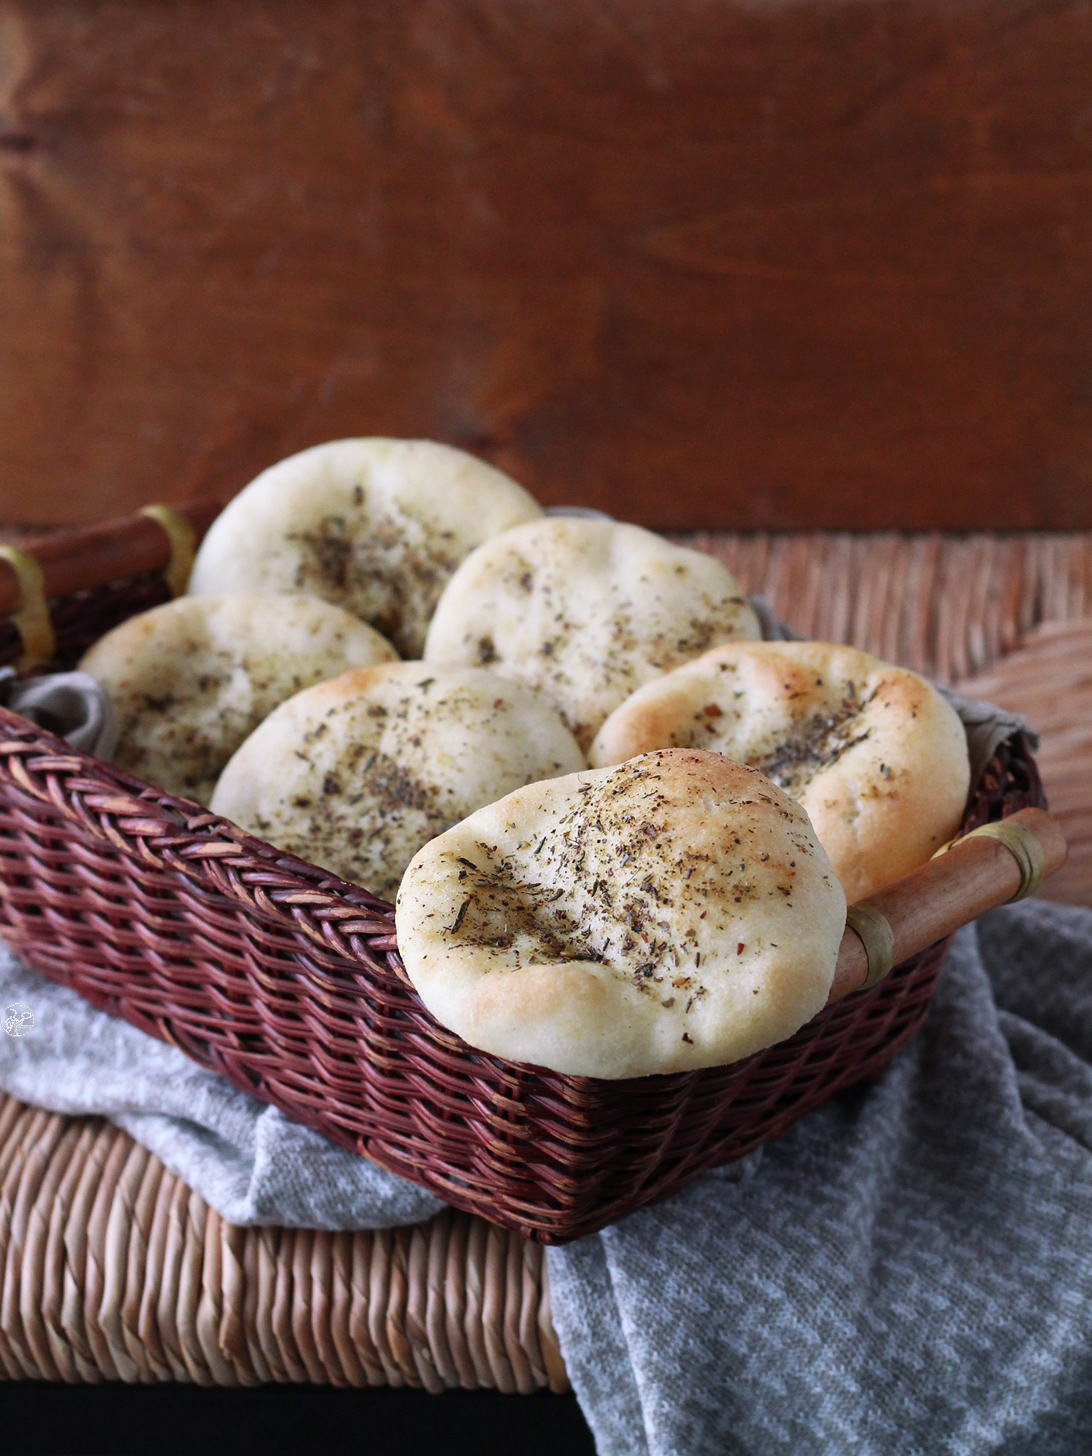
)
(287, 982)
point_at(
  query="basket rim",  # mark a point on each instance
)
(603, 1147)
(340, 919)
(188, 837)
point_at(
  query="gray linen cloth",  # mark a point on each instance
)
(909, 1270)
(70, 704)
(246, 1159)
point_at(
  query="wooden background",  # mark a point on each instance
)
(704, 263)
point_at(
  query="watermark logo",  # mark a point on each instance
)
(17, 1019)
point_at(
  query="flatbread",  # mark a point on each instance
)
(674, 912)
(189, 681)
(585, 611)
(356, 774)
(873, 752)
(377, 526)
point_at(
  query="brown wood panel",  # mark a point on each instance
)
(704, 263)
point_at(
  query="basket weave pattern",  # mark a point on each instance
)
(287, 982)
(112, 1269)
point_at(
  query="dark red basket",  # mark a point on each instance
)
(287, 982)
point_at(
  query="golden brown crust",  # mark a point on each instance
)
(873, 752)
(673, 912)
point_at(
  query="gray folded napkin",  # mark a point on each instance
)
(909, 1270)
(70, 704)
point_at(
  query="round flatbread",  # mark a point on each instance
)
(357, 774)
(377, 526)
(874, 753)
(585, 611)
(189, 681)
(671, 913)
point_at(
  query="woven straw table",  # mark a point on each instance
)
(113, 1269)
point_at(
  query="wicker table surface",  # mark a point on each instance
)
(114, 1269)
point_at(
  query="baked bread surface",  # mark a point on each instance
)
(356, 774)
(585, 611)
(873, 753)
(670, 913)
(190, 680)
(376, 525)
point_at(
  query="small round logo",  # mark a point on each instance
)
(17, 1019)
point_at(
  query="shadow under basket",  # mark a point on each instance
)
(288, 983)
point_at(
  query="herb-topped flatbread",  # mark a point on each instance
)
(189, 681)
(378, 526)
(874, 753)
(585, 611)
(673, 912)
(355, 775)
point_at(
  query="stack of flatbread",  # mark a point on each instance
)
(621, 829)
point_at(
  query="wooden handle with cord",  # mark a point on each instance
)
(988, 867)
(71, 561)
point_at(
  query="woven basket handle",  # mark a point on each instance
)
(72, 561)
(986, 868)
